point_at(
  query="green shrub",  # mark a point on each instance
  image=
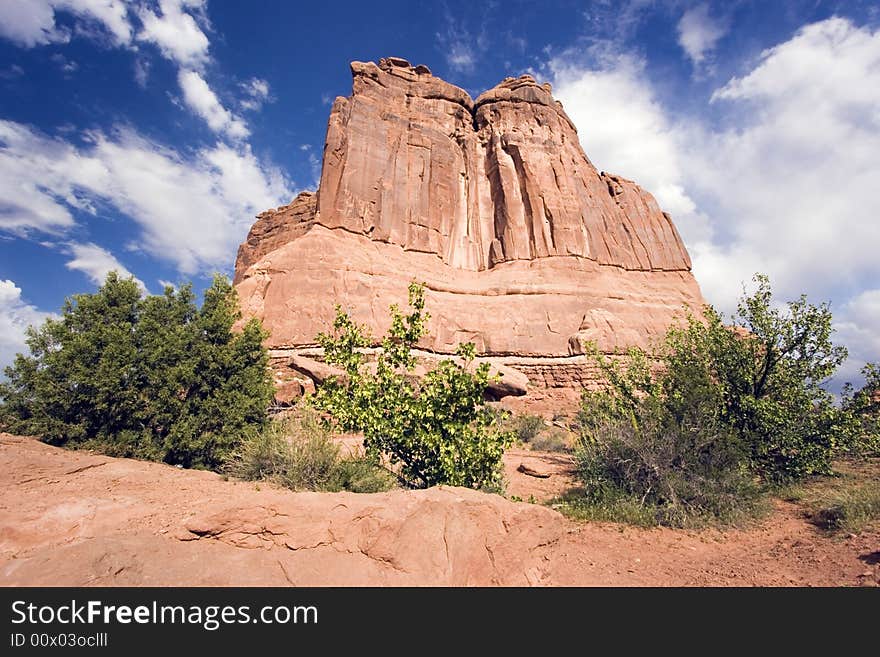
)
(525, 427)
(554, 440)
(359, 474)
(675, 471)
(438, 430)
(864, 406)
(299, 453)
(721, 410)
(765, 373)
(151, 377)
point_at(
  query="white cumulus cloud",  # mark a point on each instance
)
(15, 316)
(31, 23)
(192, 210)
(175, 27)
(175, 31)
(625, 130)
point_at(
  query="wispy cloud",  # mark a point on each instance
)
(614, 21)
(67, 66)
(96, 262)
(141, 72)
(699, 33)
(314, 163)
(202, 100)
(256, 94)
(461, 47)
(11, 73)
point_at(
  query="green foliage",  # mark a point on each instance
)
(151, 377)
(438, 430)
(525, 427)
(676, 471)
(554, 440)
(767, 370)
(864, 406)
(720, 409)
(759, 377)
(361, 474)
(298, 452)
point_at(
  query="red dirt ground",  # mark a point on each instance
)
(74, 518)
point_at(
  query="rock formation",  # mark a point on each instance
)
(526, 249)
(60, 526)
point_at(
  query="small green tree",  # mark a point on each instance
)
(744, 397)
(230, 387)
(81, 379)
(438, 430)
(767, 369)
(864, 406)
(152, 377)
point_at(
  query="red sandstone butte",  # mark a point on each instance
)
(525, 248)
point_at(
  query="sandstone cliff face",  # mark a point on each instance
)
(525, 247)
(412, 160)
(275, 228)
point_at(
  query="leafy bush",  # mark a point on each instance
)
(525, 427)
(725, 407)
(438, 430)
(151, 377)
(679, 472)
(864, 406)
(298, 452)
(765, 372)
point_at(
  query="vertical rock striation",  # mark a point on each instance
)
(524, 246)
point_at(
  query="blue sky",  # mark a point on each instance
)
(145, 135)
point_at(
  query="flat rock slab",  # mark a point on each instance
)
(73, 518)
